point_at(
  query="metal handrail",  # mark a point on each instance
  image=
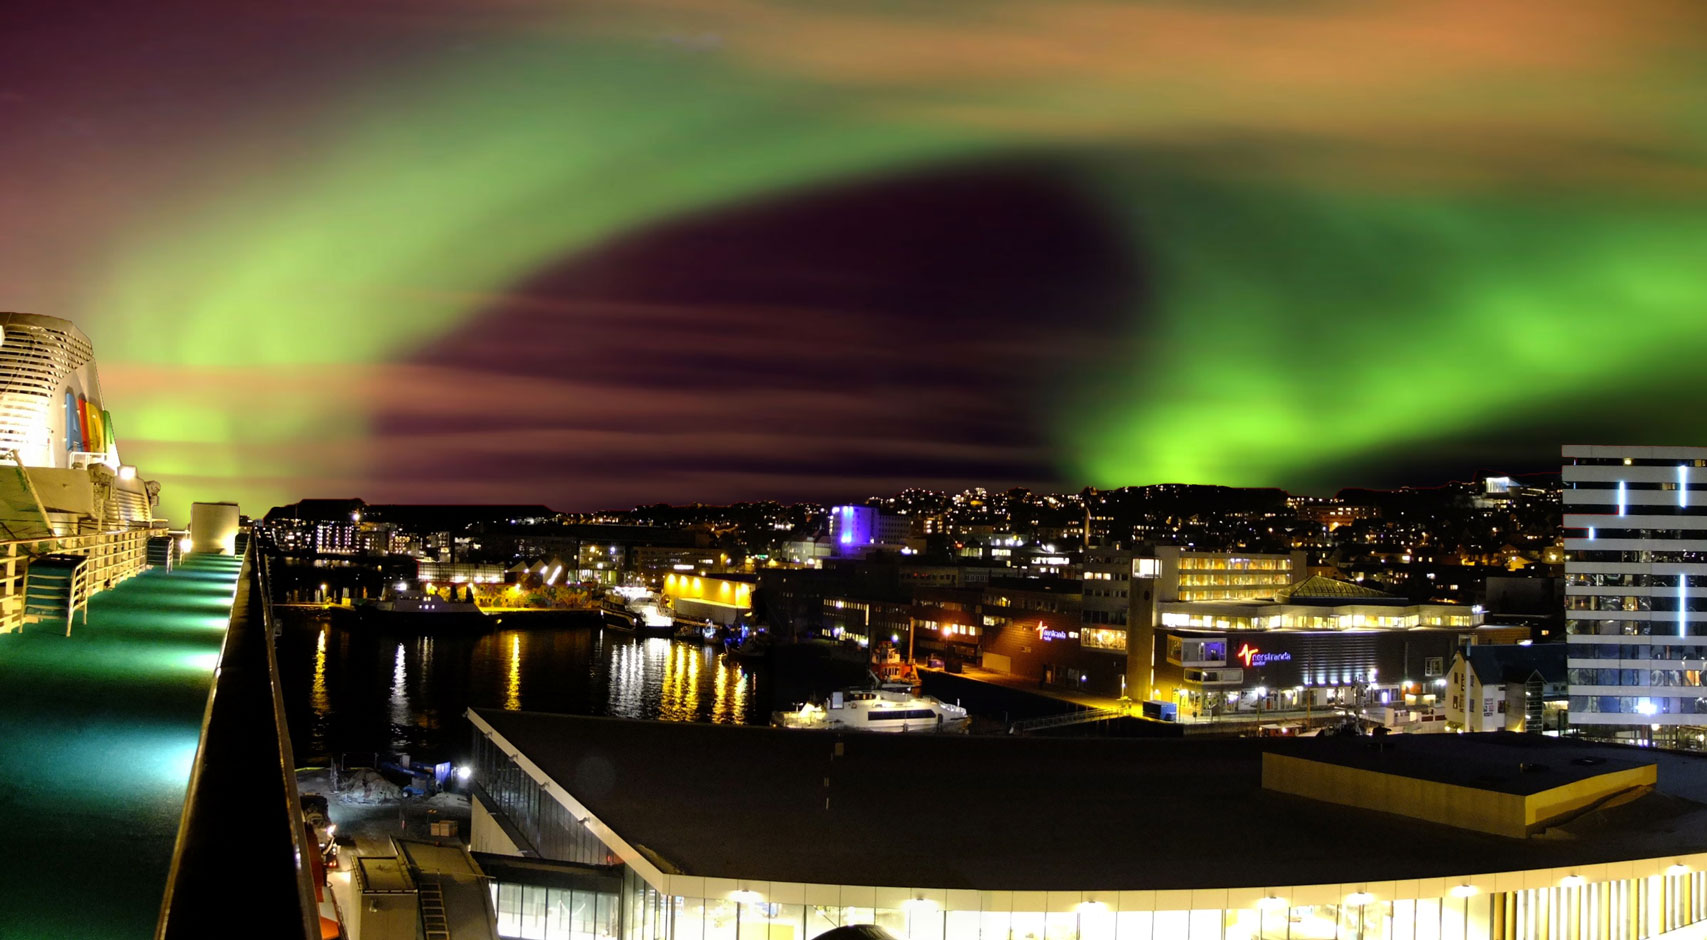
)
(241, 834)
(1063, 720)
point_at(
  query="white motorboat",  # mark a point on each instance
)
(886, 710)
(414, 609)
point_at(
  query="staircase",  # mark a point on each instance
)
(1061, 721)
(160, 551)
(54, 589)
(434, 924)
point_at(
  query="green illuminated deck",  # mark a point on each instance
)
(97, 734)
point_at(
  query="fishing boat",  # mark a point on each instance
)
(638, 614)
(881, 710)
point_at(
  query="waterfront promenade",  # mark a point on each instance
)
(97, 734)
(1231, 723)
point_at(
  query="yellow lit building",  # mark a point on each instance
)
(721, 599)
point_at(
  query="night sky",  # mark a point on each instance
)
(596, 254)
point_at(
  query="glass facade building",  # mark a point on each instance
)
(1636, 589)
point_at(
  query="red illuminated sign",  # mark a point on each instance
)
(1255, 657)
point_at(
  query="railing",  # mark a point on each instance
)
(241, 840)
(113, 556)
(1084, 717)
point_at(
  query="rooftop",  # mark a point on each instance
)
(1501, 763)
(1318, 588)
(1510, 662)
(975, 812)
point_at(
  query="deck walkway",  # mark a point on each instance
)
(97, 734)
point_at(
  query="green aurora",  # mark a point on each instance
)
(1298, 320)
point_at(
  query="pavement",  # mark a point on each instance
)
(371, 811)
(372, 816)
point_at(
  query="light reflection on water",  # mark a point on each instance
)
(320, 701)
(401, 716)
(353, 691)
(513, 693)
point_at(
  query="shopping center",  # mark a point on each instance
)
(703, 832)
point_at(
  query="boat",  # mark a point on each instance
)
(638, 614)
(706, 634)
(80, 519)
(755, 647)
(415, 609)
(689, 632)
(880, 710)
(896, 675)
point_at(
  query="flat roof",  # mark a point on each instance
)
(1498, 763)
(1022, 813)
(384, 874)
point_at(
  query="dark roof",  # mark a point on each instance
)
(1037, 585)
(1018, 813)
(1510, 662)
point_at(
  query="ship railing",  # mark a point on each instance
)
(242, 799)
(114, 555)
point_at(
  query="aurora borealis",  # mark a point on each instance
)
(606, 253)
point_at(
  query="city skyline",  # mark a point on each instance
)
(1478, 479)
(451, 252)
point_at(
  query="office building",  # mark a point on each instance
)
(1635, 523)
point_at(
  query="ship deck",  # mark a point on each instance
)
(99, 731)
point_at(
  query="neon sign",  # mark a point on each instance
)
(1255, 657)
(1048, 635)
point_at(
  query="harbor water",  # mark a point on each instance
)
(354, 693)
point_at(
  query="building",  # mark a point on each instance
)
(664, 831)
(872, 616)
(1185, 575)
(1034, 627)
(1320, 643)
(855, 530)
(1636, 589)
(1506, 687)
(947, 623)
(726, 600)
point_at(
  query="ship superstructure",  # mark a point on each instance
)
(70, 510)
